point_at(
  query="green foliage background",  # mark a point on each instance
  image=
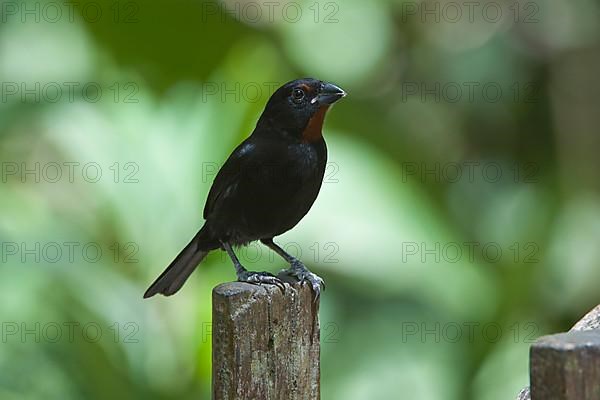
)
(394, 324)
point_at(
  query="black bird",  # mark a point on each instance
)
(265, 187)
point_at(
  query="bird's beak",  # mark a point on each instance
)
(330, 94)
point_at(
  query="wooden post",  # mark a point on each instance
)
(265, 343)
(566, 366)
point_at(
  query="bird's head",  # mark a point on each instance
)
(298, 107)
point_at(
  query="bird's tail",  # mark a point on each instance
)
(173, 278)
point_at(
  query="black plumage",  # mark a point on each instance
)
(266, 186)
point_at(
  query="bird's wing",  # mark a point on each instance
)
(228, 175)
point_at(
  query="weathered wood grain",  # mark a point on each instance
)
(566, 366)
(265, 343)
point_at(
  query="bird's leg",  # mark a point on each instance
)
(297, 268)
(243, 275)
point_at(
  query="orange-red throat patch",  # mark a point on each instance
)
(313, 132)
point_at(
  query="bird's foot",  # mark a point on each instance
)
(258, 278)
(303, 274)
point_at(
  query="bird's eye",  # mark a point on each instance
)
(297, 95)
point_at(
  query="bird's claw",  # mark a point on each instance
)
(258, 278)
(300, 271)
(316, 282)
